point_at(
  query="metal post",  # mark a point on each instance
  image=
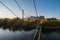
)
(39, 34)
(23, 14)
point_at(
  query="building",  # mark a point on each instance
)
(32, 18)
(51, 19)
(42, 17)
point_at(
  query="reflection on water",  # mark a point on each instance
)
(17, 35)
(51, 36)
(5, 34)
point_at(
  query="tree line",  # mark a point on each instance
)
(50, 23)
(16, 23)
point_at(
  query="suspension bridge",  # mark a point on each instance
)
(37, 29)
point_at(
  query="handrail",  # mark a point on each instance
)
(35, 34)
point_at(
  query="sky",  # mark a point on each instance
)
(47, 8)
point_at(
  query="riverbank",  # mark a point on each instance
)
(16, 24)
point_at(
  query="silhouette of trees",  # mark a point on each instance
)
(16, 23)
(51, 23)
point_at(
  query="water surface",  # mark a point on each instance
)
(6, 34)
(16, 35)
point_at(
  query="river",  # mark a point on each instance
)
(6, 34)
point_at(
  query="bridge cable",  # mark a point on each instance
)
(8, 8)
(35, 7)
(39, 30)
(18, 5)
(20, 8)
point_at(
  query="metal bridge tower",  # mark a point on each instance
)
(20, 9)
(22, 14)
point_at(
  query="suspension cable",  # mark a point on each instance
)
(18, 5)
(8, 8)
(35, 8)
